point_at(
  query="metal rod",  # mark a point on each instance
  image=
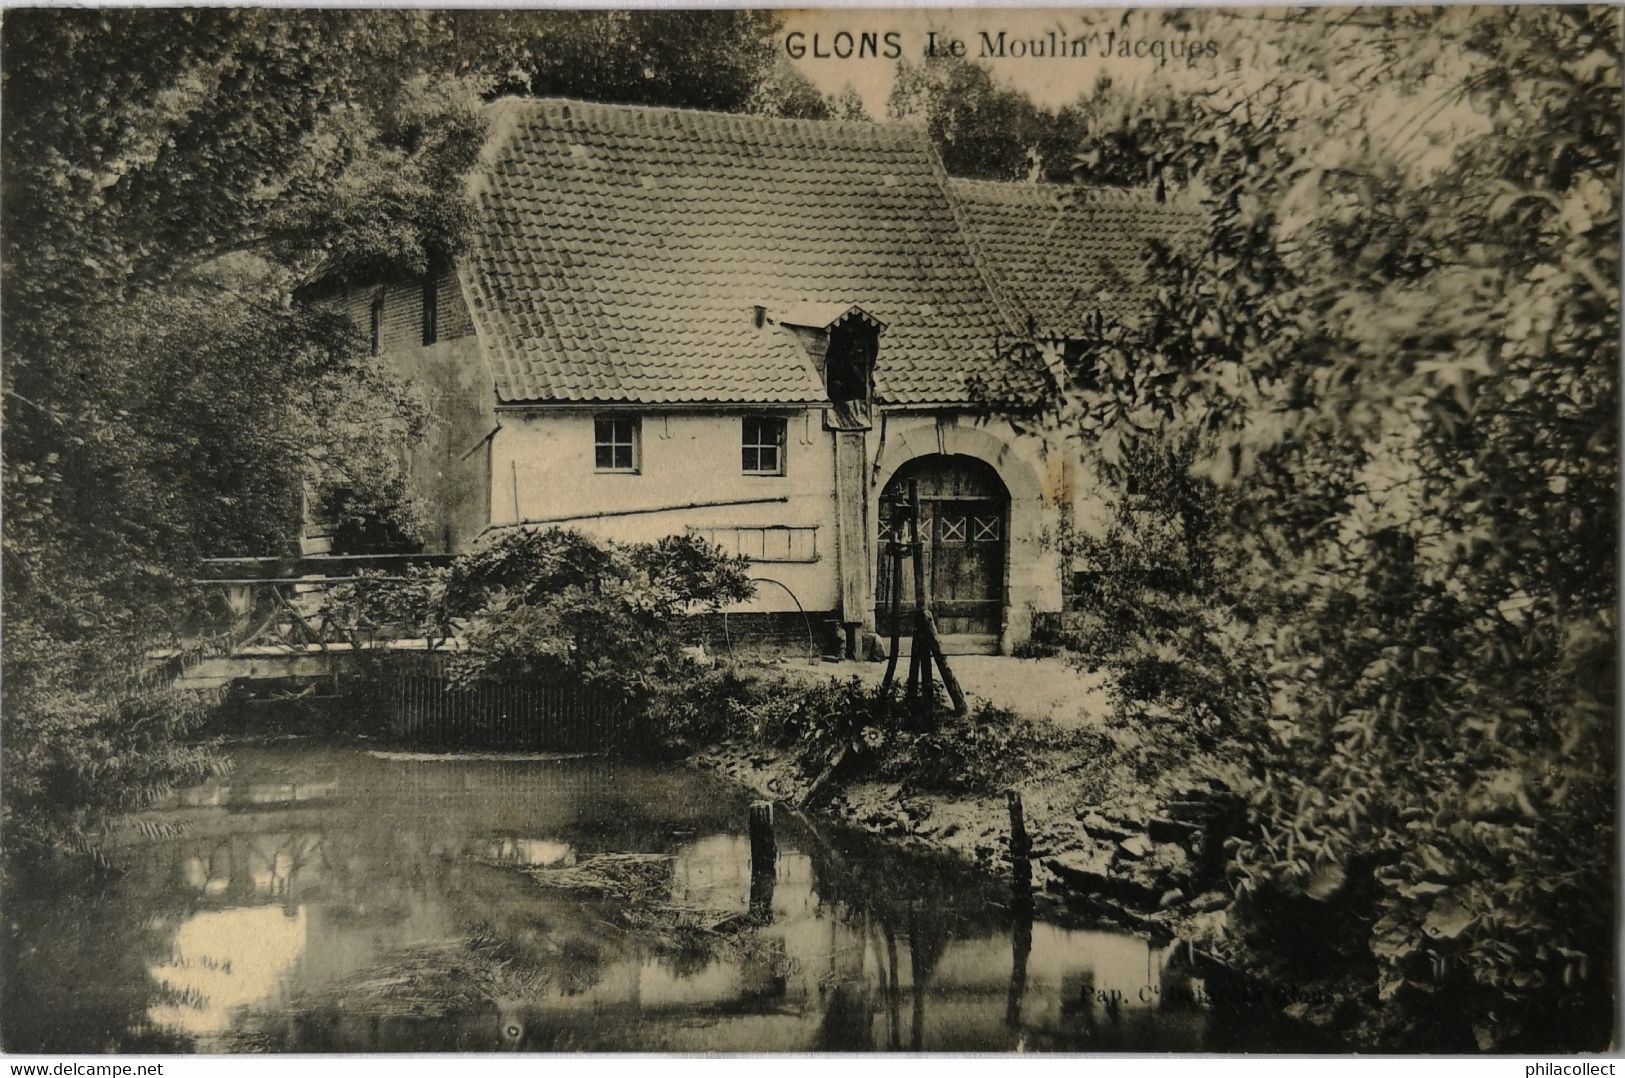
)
(638, 512)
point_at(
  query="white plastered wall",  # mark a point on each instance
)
(543, 468)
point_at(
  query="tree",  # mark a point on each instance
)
(171, 176)
(982, 128)
(1393, 366)
(686, 59)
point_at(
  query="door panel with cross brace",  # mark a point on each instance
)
(964, 511)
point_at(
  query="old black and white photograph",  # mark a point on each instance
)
(846, 530)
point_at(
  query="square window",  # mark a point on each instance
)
(762, 445)
(615, 444)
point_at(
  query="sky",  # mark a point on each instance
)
(1049, 81)
(1236, 52)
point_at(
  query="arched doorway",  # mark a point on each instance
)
(965, 524)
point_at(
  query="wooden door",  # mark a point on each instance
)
(964, 514)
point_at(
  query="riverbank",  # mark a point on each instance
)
(1124, 827)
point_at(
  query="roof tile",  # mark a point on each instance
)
(622, 241)
(1058, 254)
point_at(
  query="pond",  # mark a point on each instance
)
(334, 899)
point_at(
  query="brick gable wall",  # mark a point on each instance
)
(403, 311)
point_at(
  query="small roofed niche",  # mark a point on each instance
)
(844, 340)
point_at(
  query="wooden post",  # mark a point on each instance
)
(919, 649)
(764, 852)
(764, 856)
(894, 994)
(1021, 849)
(894, 554)
(916, 973)
(1021, 947)
(1021, 908)
(949, 682)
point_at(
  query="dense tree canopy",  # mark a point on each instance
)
(170, 177)
(1389, 377)
(983, 128)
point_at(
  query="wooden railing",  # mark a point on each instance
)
(313, 568)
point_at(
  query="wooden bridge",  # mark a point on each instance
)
(284, 636)
(280, 627)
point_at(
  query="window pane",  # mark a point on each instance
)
(615, 444)
(762, 438)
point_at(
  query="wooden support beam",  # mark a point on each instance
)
(920, 657)
(895, 554)
(949, 681)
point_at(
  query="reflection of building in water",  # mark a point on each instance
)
(715, 873)
(294, 903)
(246, 868)
(524, 852)
(824, 975)
(226, 960)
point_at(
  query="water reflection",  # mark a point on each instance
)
(326, 900)
(225, 961)
(525, 852)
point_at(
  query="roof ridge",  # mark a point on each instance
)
(1008, 308)
(513, 102)
(1117, 191)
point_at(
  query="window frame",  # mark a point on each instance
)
(375, 322)
(779, 444)
(633, 444)
(431, 308)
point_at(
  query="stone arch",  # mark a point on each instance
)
(1032, 577)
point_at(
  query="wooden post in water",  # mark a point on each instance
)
(1021, 908)
(1021, 850)
(764, 852)
(764, 855)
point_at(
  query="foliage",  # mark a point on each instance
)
(860, 729)
(980, 752)
(826, 721)
(1390, 372)
(166, 173)
(84, 755)
(377, 605)
(686, 59)
(556, 603)
(171, 177)
(982, 128)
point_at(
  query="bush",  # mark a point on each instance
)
(976, 753)
(559, 604)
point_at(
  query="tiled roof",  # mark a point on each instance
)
(622, 249)
(1059, 253)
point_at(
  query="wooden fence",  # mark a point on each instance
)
(429, 711)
